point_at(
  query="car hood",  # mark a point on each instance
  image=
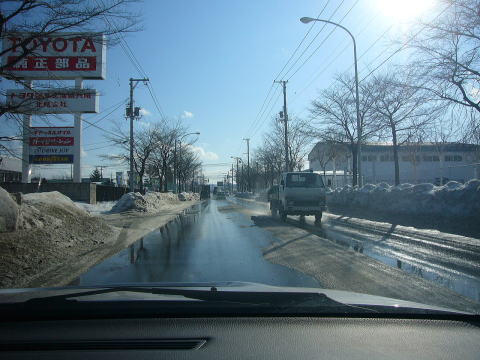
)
(345, 297)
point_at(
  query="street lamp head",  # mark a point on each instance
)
(306, 20)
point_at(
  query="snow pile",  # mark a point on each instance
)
(9, 212)
(50, 230)
(452, 199)
(184, 196)
(150, 202)
(101, 207)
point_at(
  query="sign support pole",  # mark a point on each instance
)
(77, 133)
(27, 122)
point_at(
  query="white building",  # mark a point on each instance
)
(419, 162)
(10, 169)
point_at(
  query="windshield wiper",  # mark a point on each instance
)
(212, 294)
(281, 302)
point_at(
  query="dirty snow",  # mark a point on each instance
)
(150, 202)
(101, 207)
(9, 212)
(453, 199)
(50, 231)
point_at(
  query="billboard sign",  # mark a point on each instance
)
(51, 145)
(63, 101)
(57, 55)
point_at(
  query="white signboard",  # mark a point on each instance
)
(56, 56)
(119, 175)
(53, 101)
(51, 145)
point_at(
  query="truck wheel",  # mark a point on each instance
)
(318, 219)
(283, 215)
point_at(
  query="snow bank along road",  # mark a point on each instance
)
(233, 240)
(448, 260)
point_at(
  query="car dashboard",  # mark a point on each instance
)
(240, 338)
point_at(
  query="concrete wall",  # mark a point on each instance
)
(77, 192)
(110, 193)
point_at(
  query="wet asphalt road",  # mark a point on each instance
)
(217, 243)
(453, 261)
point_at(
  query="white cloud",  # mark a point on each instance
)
(187, 114)
(203, 154)
(143, 124)
(145, 112)
(83, 153)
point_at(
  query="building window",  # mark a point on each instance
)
(453, 158)
(431, 158)
(386, 158)
(411, 158)
(369, 158)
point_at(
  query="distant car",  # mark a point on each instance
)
(220, 195)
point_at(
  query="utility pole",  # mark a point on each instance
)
(285, 121)
(101, 170)
(248, 163)
(237, 177)
(131, 112)
(232, 179)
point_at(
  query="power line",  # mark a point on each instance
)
(117, 106)
(396, 51)
(334, 59)
(324, 40)
(311, 41)
(266, 117)
(102, 129)
(265, 103)
(131, 55)
(301, 42)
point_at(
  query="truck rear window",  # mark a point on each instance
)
(308, 180)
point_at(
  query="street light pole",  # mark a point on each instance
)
(306, 20)
(248, 163)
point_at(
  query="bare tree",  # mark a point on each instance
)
(188, 165)
(270, 156)
(146, 141)
(400, 109)
(334, 116)
(447, 57)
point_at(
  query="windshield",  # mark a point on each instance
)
(326, 145)
(304, 180)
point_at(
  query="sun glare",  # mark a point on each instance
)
(405, 10)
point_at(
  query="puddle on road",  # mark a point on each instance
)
(460, 283)
(169, 232)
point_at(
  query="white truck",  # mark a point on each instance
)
(299, 193)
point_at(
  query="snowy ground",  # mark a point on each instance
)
(101, 207)
(150, 202)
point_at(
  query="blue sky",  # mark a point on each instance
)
(211, 63)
